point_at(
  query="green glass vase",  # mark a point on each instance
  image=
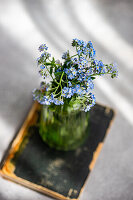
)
(63, 128)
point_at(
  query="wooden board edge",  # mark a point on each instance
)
(14, 144)
(98, 149)
(33, 186)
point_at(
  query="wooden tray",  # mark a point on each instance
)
(62, 175)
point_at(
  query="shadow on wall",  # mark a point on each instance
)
(17, 81)
(119, 13)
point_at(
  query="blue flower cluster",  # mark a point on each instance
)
(45, 100)
(113, 70)
(68, 92)
(84, 48)
(72, 80)
(44, 56)
(43, 47)
(65, 55)
(90, 102)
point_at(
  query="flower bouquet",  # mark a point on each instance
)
(66, 94)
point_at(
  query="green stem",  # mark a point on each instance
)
(56, 89)
(59, 84)
(53, 88)
(61, 77)
(61, 81)
(57, 93)
(49, 73)
(67, 80)
(100, 74)
(74, 55)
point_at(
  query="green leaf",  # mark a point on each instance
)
(57, 73)
(93, 77)
(47, 64)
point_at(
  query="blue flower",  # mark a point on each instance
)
(80, 79)
(42, 47)
(87, 108)
(42, 55)
(65, 55)
(65, 90)
(83, 61)
(77, 86)
(45, 101)
(61, 102)
(83, 76)
(80, 42)
(58, 102)
(70, 93)
(93, 98)
(70, 76)
(100, 63)
(45, 55)
(42, 66)
(79, 52)
(86, 51)
(90, 84)
(89, 71)
(52, 96)
(74, 72)
(95, 62)
(63, 95)
(113, 70)
(72, 69)
(58, 70)
(103, 71)
(90, 44)
(79, 71)
(79, 91)
(80, 66)
(90, 102)
(69, 83)
(67, 71)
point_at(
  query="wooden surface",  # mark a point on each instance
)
(61, 175)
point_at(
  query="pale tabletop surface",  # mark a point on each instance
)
(24, 25)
